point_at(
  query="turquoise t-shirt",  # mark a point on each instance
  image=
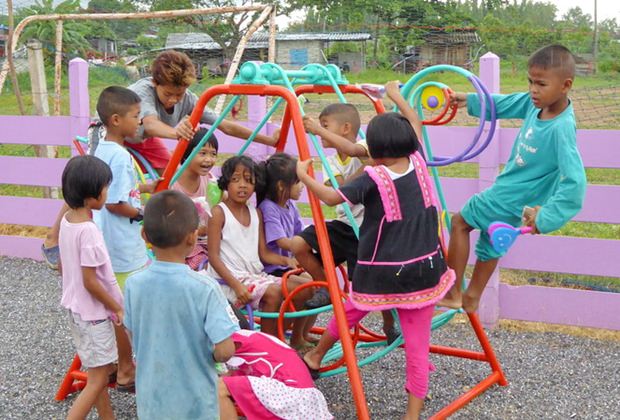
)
(544, 168)
(175, 316)
(122, 238)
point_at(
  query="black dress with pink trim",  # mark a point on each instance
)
(400, 261)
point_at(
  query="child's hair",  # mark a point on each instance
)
(343, 113)
(173, 68)
(84, 177)
(390, 135)
(211, 141)
(169, 217)
(556, 57)
(115, 100)
(278, 167)
(228, 169)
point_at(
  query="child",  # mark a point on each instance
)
(400, 261)
(194, 183)
(119, 109)
(89, 289)
(281, 219)
(237, 247)
(268, 380)
(544, 177)
(178, 319)
(341, 121)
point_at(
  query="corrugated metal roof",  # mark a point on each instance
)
(202, 41)
(456, 37)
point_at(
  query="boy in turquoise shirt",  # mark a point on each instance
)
(543, 184)
(179, 320)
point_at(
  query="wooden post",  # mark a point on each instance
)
(9, 61)
(79, 105)
(57, 67)
(40, 101)
(489, 169)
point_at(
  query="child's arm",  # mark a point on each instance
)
(214, 239)
(149, 187)
(224, 350)
(513, 106)
(154, 127)
(123, 209)
(567, 200)
(237, 130)
(393, 92)
(95, 288)
(339, 143)
(265, 254)
(326, 194)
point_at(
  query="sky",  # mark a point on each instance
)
(607, 9)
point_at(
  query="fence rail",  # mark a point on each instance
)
(584, 256)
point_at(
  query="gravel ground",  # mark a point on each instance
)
(551, 375)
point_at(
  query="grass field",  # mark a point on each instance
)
(596, 102)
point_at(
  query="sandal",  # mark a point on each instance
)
(129, 387)
(392, 335)
(314, 373)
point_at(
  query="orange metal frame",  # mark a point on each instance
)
(75, 379)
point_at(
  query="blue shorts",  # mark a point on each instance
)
(479, 212)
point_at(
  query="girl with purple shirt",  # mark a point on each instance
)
(275, 194)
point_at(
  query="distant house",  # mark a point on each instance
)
(584, 64)
(438, 46)
(103, 47)
(292, 50)
(4, 37)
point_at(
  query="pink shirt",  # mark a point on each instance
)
(200, 192)
(200, 200)
(82, 245)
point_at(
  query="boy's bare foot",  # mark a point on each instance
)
(311, 338)
(470, 302)
(302, 346)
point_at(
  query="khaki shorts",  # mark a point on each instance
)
(95, 341)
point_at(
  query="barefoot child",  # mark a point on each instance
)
(338, 123)
(281, 219)
(400, 262)
(237, 248)
(89, 289)
(544, 171)
(179, 320)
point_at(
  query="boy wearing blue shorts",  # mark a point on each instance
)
(180, 321)
(543, 183)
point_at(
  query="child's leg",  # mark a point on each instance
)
(416, 327)
(126, 373)
(297, 338)
(91, 394)
(227, 407)
(271, 301)
(305, 256)
(479, 279)
(51, 239)
(458, 253)
(314, 357)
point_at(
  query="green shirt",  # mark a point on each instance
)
(544, 168)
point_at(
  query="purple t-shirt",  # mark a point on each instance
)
(279, 222)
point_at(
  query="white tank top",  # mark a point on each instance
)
(239, 245)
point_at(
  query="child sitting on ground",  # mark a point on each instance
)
(400, 261)
(179, 320)
(543, 181)
(237, 249)
(89, 289)
(342, 121)
(281, 219)
(268, 380)
(194, 182)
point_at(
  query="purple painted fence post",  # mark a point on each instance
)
(257, 108)
(79, 104)
(489, 169)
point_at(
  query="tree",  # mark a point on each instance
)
(73, 33)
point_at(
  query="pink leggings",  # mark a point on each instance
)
(416, 327)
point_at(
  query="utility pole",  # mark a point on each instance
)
(9, 58)
(595, 42)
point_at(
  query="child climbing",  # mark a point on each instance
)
(400, 261)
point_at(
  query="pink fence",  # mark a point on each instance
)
(587, 256)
